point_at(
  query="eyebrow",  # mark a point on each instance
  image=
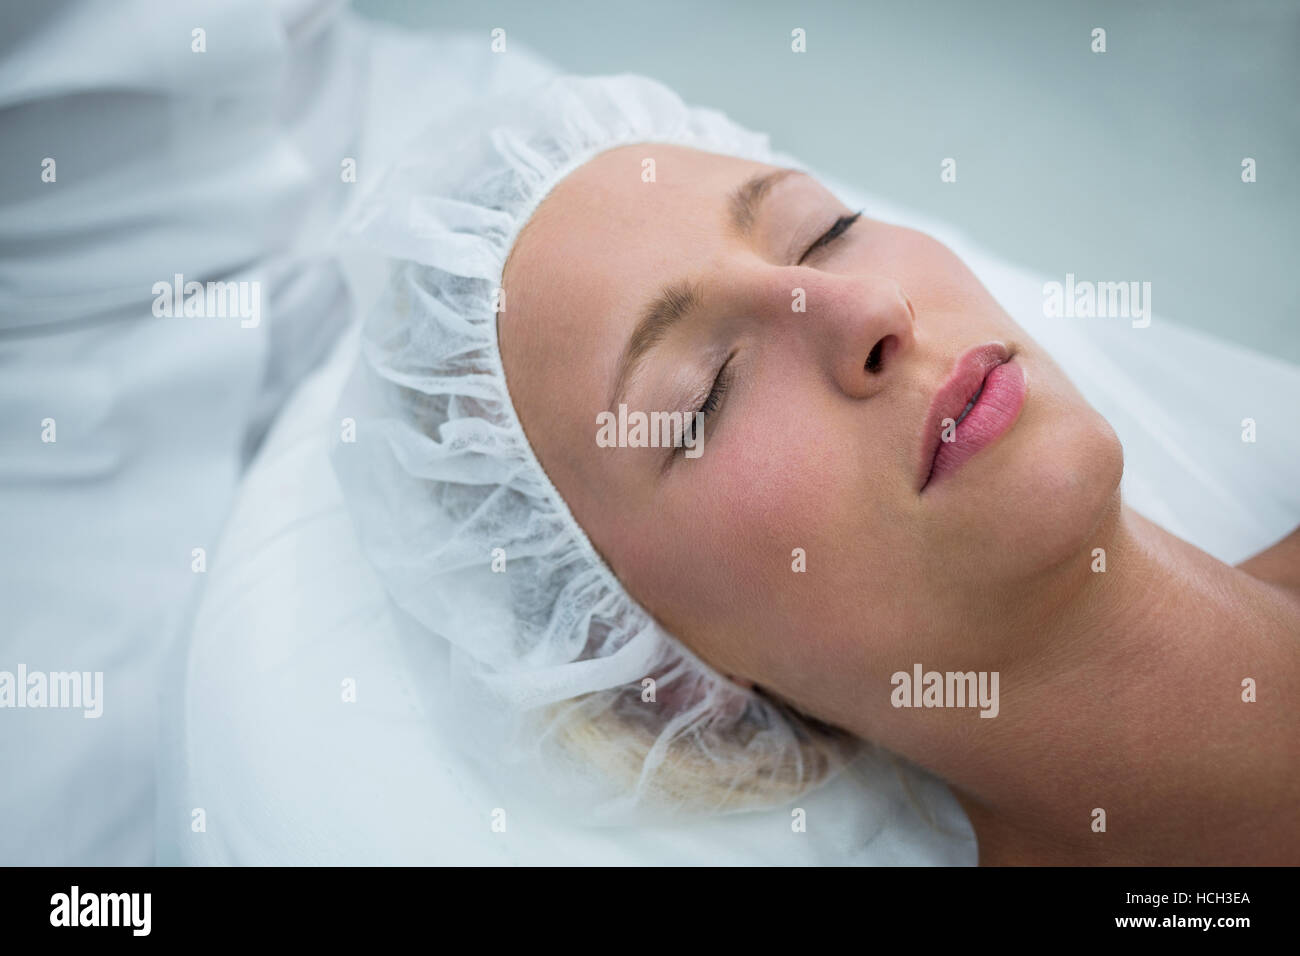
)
(746, 200)
(678, 300)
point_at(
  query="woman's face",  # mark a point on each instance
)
(818, 435)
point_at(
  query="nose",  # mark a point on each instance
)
(858, 326)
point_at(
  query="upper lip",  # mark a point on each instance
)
(968, 375)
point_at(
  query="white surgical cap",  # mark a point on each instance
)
(581, 689)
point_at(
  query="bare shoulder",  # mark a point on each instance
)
(1278, 564)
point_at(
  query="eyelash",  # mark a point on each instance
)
(722, 380)
(837, 229)
(712, 401)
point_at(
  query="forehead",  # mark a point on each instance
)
(607, 238)
(634, 206)
(650, 178)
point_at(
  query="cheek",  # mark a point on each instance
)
(938, 282)
(804, 566)
(919, 262)
(760, 490)
(786, 540)
(1067, 487)
(714, 556)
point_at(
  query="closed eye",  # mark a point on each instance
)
(838, 229)
(722, 379)
(713, 400)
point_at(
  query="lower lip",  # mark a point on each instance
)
(996, 411)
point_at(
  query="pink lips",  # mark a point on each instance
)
(988, 367)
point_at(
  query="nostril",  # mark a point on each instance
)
(877, 356)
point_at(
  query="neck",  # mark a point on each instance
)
(1126, 697)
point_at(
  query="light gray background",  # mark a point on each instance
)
(1117, 166)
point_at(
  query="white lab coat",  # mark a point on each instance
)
(218, 164)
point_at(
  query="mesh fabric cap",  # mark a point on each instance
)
(551, 653)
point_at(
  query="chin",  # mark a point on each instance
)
(1039, 500)
(1066, 490)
